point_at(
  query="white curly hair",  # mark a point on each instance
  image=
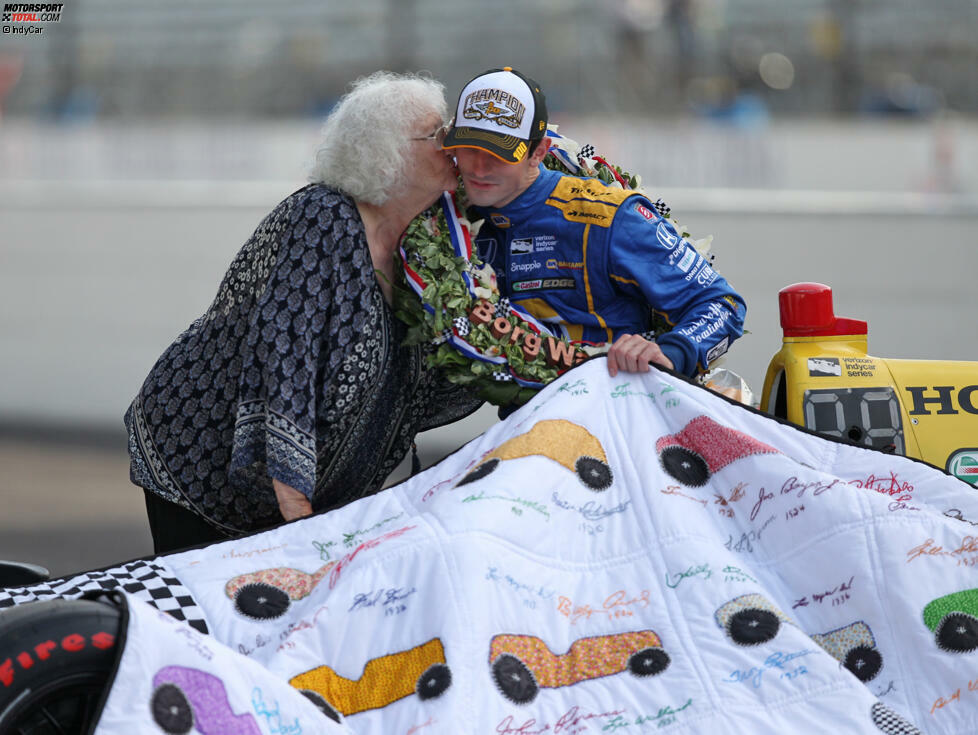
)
(366, 134)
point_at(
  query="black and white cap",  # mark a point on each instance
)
(500, 111)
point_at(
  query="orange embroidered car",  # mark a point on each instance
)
(704, 447)
(386, 679)
(268, 593)
(568, 444)
(855, 647)
(523, 664)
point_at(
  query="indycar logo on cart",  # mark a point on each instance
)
(822, 366)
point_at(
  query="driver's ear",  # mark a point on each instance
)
(540, 151)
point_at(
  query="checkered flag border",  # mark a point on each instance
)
(587, 151)
(147, 580)
(462, 326)
(661, 207)
(503, 307)
(890, 722)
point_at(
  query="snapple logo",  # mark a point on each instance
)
(523, 267)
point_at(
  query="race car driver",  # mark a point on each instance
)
(592, 260)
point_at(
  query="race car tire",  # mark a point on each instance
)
(55, 660)
(514, 679)
(479, 472)
(434, 681)
(957, 632)
(171, 710)
(864, 662)
(753, 626)
(595, 474)
(648, 662)
(261, 601)
(685, 465)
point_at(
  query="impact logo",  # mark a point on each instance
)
(31, 13)
(665, 236)
(494, 105)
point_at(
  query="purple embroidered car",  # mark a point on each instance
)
(185, 699)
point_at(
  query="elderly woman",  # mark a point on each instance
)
(292, 393)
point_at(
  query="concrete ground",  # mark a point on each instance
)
(69, 507)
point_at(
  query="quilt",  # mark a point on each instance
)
(621, 555)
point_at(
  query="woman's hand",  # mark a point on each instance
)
(291, 502)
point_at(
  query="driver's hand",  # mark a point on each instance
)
(632, 353)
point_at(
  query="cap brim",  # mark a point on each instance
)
(507, 148)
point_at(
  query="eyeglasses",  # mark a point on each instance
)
(436, 137)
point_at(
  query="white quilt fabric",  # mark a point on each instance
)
(628, 554)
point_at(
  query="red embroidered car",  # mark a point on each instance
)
(704, 447)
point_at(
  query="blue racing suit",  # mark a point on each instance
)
(594, 261)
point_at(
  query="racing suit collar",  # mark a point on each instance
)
(524, 205)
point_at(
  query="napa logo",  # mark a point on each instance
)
(552, 264)
(963, 464)
(666, 237)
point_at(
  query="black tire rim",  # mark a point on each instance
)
(317, 699)
(648, 662)
(66, 707)
(514, 679)
(685, 465)
(434, 681)
(171, 710)
(958, 632)
(594, 473)
(486, 468)
(864, 662)
(753, 626)
(261, 601)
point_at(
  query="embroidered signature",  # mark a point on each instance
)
(665, 716)
(531, 504)
(969, 545)
(691, 571)
(776, 660)
(838, 594)
(273, 717)
(616, 605)
(591, 510)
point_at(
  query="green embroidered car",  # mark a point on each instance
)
(954, 621)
